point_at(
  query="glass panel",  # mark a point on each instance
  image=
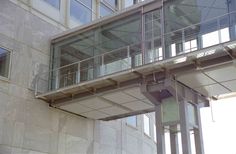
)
(210, 39)
(170, 110)
(80, 12)
(54, 3)
(183, 13)
(4, 62)
(152, 36)
(128, 3)
(192, 114)
(112, 3)
(104, 10)
(146, 121)
(132, 121)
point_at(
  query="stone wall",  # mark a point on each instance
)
(29, 125)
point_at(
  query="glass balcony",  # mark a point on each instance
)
(127, 43)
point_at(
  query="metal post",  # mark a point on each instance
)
(174, 140)
(78, 74)
(184, 127)
(160, 133)
(198, 133)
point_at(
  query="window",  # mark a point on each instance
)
(112, 3)
(132, 121)
(190, 45)
(128, 3)
(4, 62)
(104, 10)
(155, 133)
(81, 10)
(54, 3)
(146, 122)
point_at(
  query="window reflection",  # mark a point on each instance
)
(81, 10)
(132, 121)
(54, 3)
(146, 122)
(112, 3)
(128, 3)
(104, 10)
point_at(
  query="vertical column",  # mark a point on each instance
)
(174, 140)
(160, 133)
(78, 74)
(198, 133)
(184, 127)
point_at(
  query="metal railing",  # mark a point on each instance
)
(195, 37)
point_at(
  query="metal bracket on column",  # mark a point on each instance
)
(168, 87)
(155, 92)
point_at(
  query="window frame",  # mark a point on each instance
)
(3, 78)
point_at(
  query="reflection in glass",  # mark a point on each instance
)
(81, 11)
(128, 3)
(54, 3)
(152, 26)
(146, 124)
(121, 38)
(112, 3)
(132, 121)
(104, 10)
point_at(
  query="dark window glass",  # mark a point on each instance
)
(81, 12)
(54, 3)
(104, 10)
(4, 62)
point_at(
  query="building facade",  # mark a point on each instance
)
(29, 125)
(33, 42)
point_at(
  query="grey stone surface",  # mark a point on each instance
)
(29, 125)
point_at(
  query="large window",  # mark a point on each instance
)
(132, 121)
(146, 123)
(152, 27)
(4, 62)
(121, 36)
(81, 10)
(54, 3)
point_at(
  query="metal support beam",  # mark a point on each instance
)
(174, 140)
(184, 127)
(146, 92)
(198, 133)
(160, 133)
